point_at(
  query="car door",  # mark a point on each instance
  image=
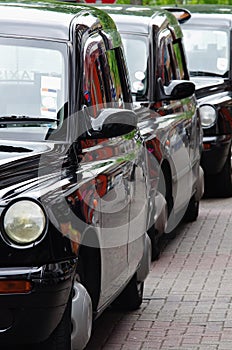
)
(177, 116)
(193, 128)
(106, 164)
(139, 203)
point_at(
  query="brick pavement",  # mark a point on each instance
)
(188, 294)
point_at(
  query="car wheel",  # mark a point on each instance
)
(155, 243)
(131, 297)
(158, 224)
(192, 211)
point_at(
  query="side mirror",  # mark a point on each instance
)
(110, 122)
(176, 90)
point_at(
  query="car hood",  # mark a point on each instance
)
(207, 82)
(24, 166)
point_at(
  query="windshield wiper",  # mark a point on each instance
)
(207, 74)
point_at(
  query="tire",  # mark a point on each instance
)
(220, 185)
(192, 211)
(89, 267)
(131, 297)
(165, 188)
(155, 243)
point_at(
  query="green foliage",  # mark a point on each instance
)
(127, 2)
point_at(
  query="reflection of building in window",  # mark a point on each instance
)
(165, 65)
(101, 82)
(93, 87)
(207, 50)
(115, 88)
(171, 61)
(180, 72)
(32, 79)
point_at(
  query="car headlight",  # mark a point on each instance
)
(208, 115)
(24, 222)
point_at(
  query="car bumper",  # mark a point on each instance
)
(215, 152)
(31, 317)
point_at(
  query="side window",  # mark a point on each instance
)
(165, 64)
(102, 83)
(124, 75)
(172, 63)
(116, 94)
(95, 72)
(181, 70)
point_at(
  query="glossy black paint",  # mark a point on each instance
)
(215, 90)
(28, 313)
(90, 188)
(167, 95)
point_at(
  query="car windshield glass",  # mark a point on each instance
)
(207, 51)
(33, 87)
(136, 50)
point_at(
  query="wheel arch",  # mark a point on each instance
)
(89, 265)
(165, 186)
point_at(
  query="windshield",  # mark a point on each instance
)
(33, 87)
(136, 51)
(207, 51)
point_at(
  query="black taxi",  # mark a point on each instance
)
(153, 44)
(207, 37)
(74, 195)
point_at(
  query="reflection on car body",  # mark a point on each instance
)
(208, 40)
(73, 189)
(152, 41)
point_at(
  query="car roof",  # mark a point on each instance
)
(48, 19)
(210, 15)
(137, 18)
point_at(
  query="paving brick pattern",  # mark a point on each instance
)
(188, 294)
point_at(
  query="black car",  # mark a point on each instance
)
(152, 40)
(74, 195)
(207, 37)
